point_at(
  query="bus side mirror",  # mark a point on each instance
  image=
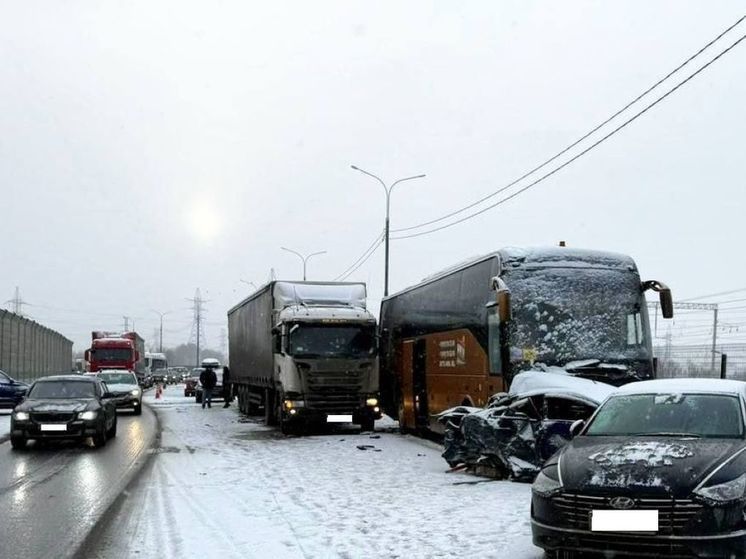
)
(666, 299)
(503, 299)
(576, 427)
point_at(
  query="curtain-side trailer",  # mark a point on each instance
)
(305, 352)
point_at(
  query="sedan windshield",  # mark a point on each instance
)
(699, 415)
(118, 378)
(62, 390)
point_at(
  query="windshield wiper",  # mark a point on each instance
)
(668, 434)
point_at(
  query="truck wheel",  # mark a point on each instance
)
(270, 407)
(18, 442)
(368, 424)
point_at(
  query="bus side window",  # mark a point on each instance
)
(493, 340)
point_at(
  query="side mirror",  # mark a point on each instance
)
(275, 330)
(505, 311)
(576, 427)
(87, 355)
(137, 355)
(107, 395)
(666, 299)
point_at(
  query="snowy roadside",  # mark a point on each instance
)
(222, 486)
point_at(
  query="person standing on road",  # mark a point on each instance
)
(227, 388)
(208, 379)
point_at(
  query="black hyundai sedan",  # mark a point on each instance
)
(64, 407)
(659, 470)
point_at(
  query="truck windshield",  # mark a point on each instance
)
(562, 314)
(109, 354)
(159, 364)
(332, 341)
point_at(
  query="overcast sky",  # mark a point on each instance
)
(151, 148)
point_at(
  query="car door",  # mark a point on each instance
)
(107, 405)
(6, 389)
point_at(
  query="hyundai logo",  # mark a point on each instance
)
(622, 503)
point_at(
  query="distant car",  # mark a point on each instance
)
(190, 384)
(659, 470)
(64, 407)
(12, 391)
(124, 388)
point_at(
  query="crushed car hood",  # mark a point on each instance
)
(647, 465)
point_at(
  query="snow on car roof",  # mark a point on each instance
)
(557, 381)
(685, 385)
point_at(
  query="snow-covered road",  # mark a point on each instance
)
(222, 486)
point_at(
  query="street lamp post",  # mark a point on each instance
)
(161, 314)
(304, 259)
(388, 190)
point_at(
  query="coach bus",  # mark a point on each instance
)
(459, 336)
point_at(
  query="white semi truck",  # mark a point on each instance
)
(305, 352)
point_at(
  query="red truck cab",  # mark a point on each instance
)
(110, 350)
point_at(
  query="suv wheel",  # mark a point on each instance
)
(18, 442)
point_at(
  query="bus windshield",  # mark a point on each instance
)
(562, 315)
(332, 341)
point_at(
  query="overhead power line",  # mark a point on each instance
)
(347, 271)
(583, 152)
(364, 260)
(579, 140)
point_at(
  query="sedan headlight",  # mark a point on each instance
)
(290, 404)
(371, 402)
(135, 392)
(21, 416)
(547, 482)
(88, 415)
(732, 490)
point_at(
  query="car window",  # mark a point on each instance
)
(118, 378)
(4, 379)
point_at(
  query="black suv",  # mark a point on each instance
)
(11, 391)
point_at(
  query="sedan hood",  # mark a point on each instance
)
(669, 466)
(53, 405)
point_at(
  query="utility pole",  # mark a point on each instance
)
(17, 302)
(126, 323)
(198, 311)
(161, 315)
(714, 334)
(388, 190)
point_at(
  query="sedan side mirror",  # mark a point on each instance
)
(576, 427)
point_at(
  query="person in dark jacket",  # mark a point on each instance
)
(208, 379)
(227, 388)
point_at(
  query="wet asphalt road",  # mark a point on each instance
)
(51, 496)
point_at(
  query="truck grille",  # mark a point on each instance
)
(334, 391)
(52, 417)
(673, 514)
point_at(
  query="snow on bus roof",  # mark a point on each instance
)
(685, 385)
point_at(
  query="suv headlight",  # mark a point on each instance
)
(21, 416)
(372, 401)
(135, 392)
(290, 404)
(88, 415)
(732, 490)
(547, 482)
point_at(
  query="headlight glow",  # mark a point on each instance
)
(290, 404)
(371, 402)
(732, 490)
(135, 392)
(87, 415)
(21, 415)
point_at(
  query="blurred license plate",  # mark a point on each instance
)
(54, 427)
(339, 418)
(624, 521)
